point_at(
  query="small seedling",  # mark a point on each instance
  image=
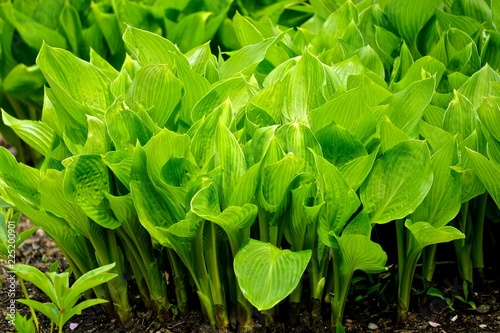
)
(64, 298)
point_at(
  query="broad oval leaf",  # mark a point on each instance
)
(267, 274)
(398, 183)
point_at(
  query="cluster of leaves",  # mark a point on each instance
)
(248, 169)
(81, 25)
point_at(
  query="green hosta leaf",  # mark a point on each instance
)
(245, 30)
(495, 14)
(407, 107)
(98, 141)
(398, 182)
(235, 220)
(338, 145)
(479, 85)
(266, 274)
(149, 48)
(246, 187)
(426, 234)
(300, 141)
(346, 111)
(443, 201)
(348, 67)
(304, 84)
(173, 146)
(356, 170)
(90, 87)
(124, 126)
(35, 133)
(372, 92)
(86, 181)
(358, 252)
(155, 206)
(246, 59)
(275, 180)
(489, 113)
(72, 28)
(229, 156)
(414, 73)
(371, 60)
(341, 201)
(32, 32)
(158, 90)
(190, 31)
(488, 172)
(237, 89)
(103, 65)
(409, 17)
(52, 200)
(19, 178)
(23, 81)
(203, 140)
(435, 136)
(120, 162)
(390, 135)
(297, 228)
(459, 118)
(271, 100)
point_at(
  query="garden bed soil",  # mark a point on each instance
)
(367, 315)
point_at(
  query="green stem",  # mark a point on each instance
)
(429, 262)
(478, 234)
(340, 298)
(463, 246)
(405, 282)
(401, 243)
(179, 274)
(32, 311)
(202, 280)
(106, 254)
(215, 278)
(263, 225)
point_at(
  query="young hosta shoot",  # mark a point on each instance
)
(63, 297)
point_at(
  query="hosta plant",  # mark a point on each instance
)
(238, 173)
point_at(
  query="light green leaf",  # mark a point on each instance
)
(90, 87)
(304, 84)
(338, 145)
(488, 172)
(341, 201)
(358, 252)
(356, 170)
(86, 181)
(346, 111)
(35, 133)
(443, 201)
(32, 32)
(426, 234)
(246, 59)
(266, 274)
(459, 118)
(157, 89)
(398, 182)
(407, 107)
(125, 128)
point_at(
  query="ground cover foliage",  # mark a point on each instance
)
(237, 173)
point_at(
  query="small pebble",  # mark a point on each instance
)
(372, 326)
(483, 326)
